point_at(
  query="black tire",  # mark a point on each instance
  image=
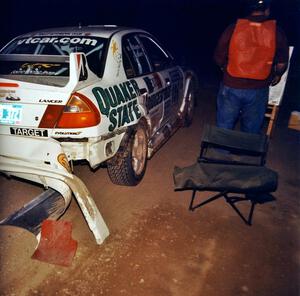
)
(128, 166)
(189, 114)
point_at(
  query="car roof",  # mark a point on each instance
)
(105, 31)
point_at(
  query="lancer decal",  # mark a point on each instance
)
(50, 101)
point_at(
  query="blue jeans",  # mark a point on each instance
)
(248, 105)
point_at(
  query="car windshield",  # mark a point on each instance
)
(93, 47)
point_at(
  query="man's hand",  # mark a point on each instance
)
(275, 80)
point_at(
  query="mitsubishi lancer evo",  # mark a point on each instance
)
(106, 94)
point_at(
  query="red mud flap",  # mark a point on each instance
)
(56, 244)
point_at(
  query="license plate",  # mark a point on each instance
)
(10, 114)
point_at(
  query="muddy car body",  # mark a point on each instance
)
(103, 94)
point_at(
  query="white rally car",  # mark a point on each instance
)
(104, 94)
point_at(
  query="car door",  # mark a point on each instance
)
(170, 74)
(151, 84)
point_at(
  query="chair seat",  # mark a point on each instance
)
(225, 178)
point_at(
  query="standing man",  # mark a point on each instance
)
(253, 54)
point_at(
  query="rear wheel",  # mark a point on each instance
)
(128, 166)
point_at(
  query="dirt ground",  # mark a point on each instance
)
(156, 246)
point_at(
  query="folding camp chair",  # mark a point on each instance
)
(230, 162)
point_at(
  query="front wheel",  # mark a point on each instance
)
(128, 166)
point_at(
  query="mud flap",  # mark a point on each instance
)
(56, 245)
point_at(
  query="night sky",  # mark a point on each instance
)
(189, 29)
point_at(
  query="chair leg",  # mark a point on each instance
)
(232, 200)
(251, 213)
(238, 212)
(192, 207)
(192, 200)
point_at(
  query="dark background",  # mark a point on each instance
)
(189, 29)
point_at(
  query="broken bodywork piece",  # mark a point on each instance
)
(43, 161)
(50, 203)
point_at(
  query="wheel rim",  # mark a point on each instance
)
(139, 151)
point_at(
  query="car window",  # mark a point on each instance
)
(135, 61)
(129, 67)
(93, 47)
(158, 57)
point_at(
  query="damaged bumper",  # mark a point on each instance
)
(43, 161)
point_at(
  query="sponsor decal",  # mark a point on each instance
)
(175, 75)
(114, 47)
(39, 69)
(28, 132)
(117, 56)
(153, 82)
(158, 97)
(50, 101)
(58, 40)
(60, 34)
(38, 65)
(13, 99)
(168, 96)
(177, 84)
(9, 95)
(119, 103)
(67, 133)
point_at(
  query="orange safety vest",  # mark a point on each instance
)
(252, 49)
